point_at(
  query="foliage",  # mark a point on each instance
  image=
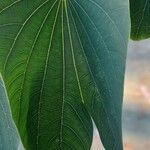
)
(9, 138)
(63, 64)
(140, 19)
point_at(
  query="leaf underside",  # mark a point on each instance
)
(9, 138)
(140, 19)
(63, 63)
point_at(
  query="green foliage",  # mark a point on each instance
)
(9, 138)
(63, 64)
(140, 19)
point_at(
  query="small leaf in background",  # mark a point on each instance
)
(140, 19)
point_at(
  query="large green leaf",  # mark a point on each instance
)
(140, 19)
(63, 63)
(9, 138)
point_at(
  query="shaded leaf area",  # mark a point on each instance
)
(104, 39)
(140, 19)
(9, 138)
(63, 62)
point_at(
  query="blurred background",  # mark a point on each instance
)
(136, 108)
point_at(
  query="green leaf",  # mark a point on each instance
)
(63, 63)
(9, 138)
(140, 19)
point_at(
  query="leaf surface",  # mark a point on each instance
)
(140, 19)
(63, 63)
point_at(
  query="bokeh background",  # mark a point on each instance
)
(136, 108)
